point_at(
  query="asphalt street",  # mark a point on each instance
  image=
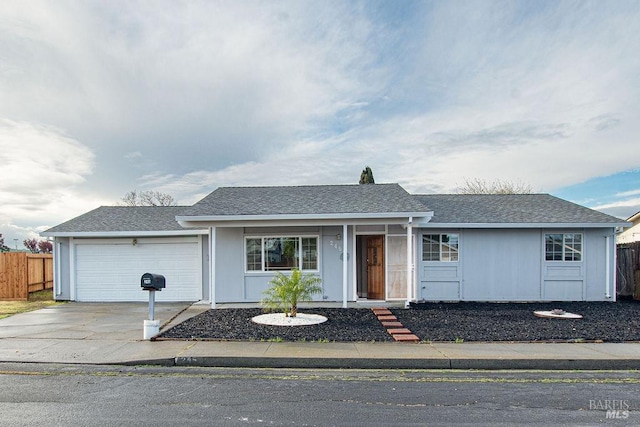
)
(61, 395)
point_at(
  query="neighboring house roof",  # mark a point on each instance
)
(631, 234)
(318, 201)
(124, 221)
(511, 209)
(635, 218)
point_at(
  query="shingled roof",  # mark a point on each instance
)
(110, 219)
(306, 200)
(510, 209)
(490, 210)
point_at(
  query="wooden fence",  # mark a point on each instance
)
(22, 273)
(628, 278)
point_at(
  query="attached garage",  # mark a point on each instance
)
(101, 255)
(110, 270)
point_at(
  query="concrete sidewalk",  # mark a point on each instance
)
(110, 333)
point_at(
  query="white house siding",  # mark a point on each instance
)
(235, 284)
(501, 265)
(62, 276)
(110, 269)
(331, 263)
(205, 268)
(565, 280)
(595, 264)
(229, 265)
(586, 280)
(493, 265)
(438, 281)
(509, 265)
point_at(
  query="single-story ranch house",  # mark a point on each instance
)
(371, 242)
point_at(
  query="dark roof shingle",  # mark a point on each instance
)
(309, 200)
(510, 209)
(122, 219)
(338, 199)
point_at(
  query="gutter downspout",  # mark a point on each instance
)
(212, 266)
(607, 293)
(345, 266)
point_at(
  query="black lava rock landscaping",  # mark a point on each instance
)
(450, 322)
(342, 325)
(470, 321)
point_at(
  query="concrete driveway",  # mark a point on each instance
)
(87, 321)
(91, 333)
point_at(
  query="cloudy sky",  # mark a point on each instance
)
(101, 97)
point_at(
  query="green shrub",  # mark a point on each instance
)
(286, 291)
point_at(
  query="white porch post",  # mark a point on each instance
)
(345, 266)
(409, 262)
(212, 266)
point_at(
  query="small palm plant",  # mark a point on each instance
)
(286, 291)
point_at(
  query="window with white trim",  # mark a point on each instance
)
(281, 253)
(563, 247)
(440, 247)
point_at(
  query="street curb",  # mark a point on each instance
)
(151, 362)
(314, 362)
(547, 364)
(372, 363)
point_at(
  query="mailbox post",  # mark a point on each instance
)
(152, 283)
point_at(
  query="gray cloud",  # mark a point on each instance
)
(185, 96)
(603, 122)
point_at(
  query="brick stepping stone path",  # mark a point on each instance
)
(397, 331)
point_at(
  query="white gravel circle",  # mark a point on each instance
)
(553, 315)
(279, 319)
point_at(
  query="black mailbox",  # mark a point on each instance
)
(152, 282)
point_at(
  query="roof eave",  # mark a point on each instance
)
(165, 233)
(634, 217)
(522, 225)
(283, 221)
(294, 217)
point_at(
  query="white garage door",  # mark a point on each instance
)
(112, 271)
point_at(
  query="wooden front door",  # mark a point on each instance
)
(375, 267)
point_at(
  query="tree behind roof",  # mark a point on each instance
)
(497, 186)
(366, 177)
(147, 198)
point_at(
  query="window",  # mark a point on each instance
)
(563, 247)
(254, 254)
(281, 253)
(309, 253)
(440, 247)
